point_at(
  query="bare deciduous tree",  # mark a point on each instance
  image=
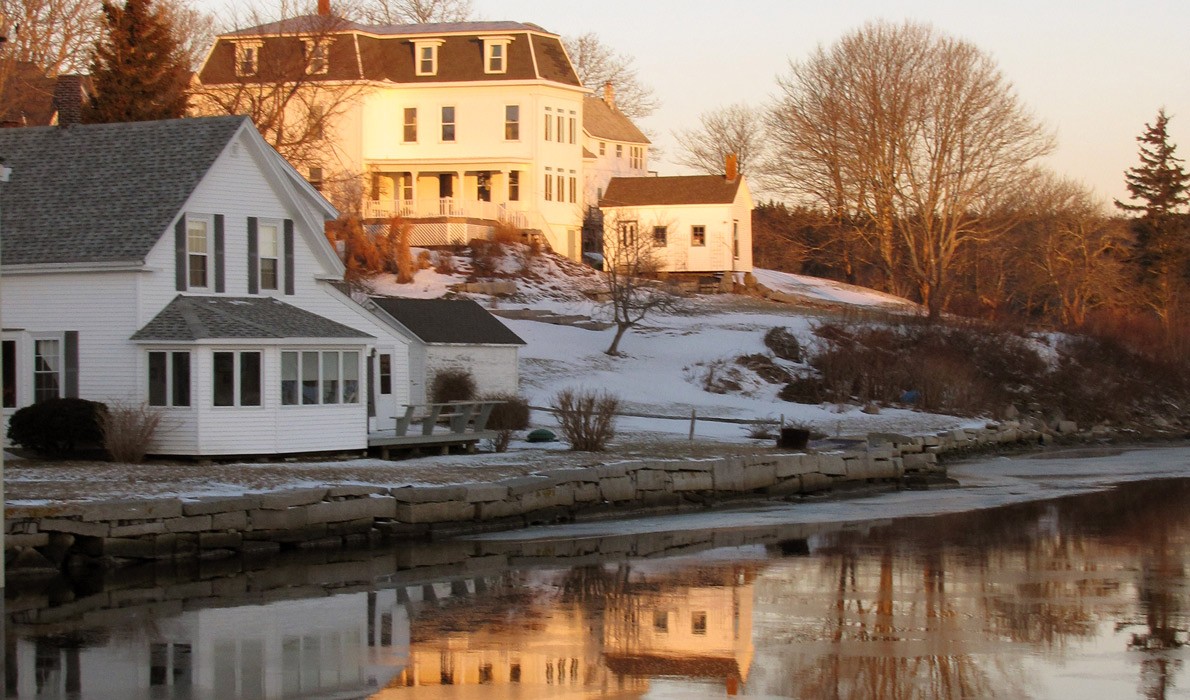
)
(54, 35)
(630, 266)
(194, 29)
(597, 64)
(293, 106)
(914, 133)
(414, 11)
(737, 129)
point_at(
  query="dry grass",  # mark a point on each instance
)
(129, 431)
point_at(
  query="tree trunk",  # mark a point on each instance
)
(614, 349)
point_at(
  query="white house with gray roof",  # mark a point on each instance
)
(183, 264)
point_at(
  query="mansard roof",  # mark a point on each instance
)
(602, 121)
(191, 318)
(102, 193)
(385, 53)
(679, 189)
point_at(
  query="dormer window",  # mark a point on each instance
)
(316, 56)
(247, 57)
(425, 53)
(495, 54)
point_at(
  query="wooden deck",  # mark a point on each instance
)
(441, 426)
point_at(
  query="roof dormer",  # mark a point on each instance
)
(495, 54)
(425, 56)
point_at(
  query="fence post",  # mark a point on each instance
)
(693, 418)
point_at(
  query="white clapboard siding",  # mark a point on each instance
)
(494, 367)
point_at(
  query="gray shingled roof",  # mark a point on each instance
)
(603, 122)
(189, 318)
(100, 193)
(448, 321)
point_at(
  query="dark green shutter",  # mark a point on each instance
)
(70, 369)
(289, 286)
(219, 276)
(253, 257)
(180, 253)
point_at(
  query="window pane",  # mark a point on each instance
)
(309, 377)
(330, 377)
(10, 373)
(351, 377)
(512, 122)
(224, 379)
(46, 364)
(157, 379)
(268, 273)
(249, 379)
(386, 374)
(181, 378)
(289, 378)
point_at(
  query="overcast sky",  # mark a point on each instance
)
(1094, 71)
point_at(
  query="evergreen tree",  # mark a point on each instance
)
(139, 71)
(1159, 183)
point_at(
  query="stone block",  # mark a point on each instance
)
(350, 527)
(76, 527)
(435, 512)
(692, 481)
(220, 540)
(37, 539)
(483, 493)
(586, 492)
(786, 486)
(287, 519)
(611, 471)
(728, 475)
(231, 520)
(428, 494)
(832, 465)
(210, 506)
(131, 547)
(149, 509)
(1067, 427)
(152, 527)
(759, 476)
(339, 511)
(920, 462)
(652, 480)
(280, 500)
(354, 491)
(194, 523)
(815, 482)
(617, 488)
(790, 465)
(554, 496)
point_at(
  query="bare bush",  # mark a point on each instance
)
(586, 418)
(452, 384)
(783, 344)
(446, 261)
(129, 431)
(509, 416)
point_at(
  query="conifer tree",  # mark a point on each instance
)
(138, 70)
(1159, 183)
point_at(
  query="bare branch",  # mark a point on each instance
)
(597, 64)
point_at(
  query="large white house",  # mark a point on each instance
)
(455, 126)
(183, 264)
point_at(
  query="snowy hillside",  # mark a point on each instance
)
(668, 360)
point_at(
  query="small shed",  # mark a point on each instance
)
(455, 334)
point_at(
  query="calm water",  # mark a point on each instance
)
(1081, 597)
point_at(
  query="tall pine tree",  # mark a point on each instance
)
(1161, 188)
(139, 71)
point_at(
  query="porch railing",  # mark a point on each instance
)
(445, 206)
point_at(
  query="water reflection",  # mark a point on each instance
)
(1079, 597)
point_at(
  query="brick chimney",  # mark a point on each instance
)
(609, 94)
(69, 95)
(324, 8)
(731, 172)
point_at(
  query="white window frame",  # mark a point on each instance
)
(345, 371)
(248, 57)
(261, 226)
(453, 124)
(425, 51)
(237, 378)
(206, 255)
(170, 397)
(697, 232)
(512, 122)
(317, 54)
(59, 357)
(495, 54)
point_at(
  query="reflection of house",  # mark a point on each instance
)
(183, 264)
(454, 334)
(690, 223)
(338, 646)
(702, 630)
(454, 126)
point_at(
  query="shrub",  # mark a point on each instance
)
(57, 426)
(783, 344)
(507, 233)
(764, 367)
(452, 384)
(587, 419)
(804, 390)
(507, 417)
(446, 262)
(129, 431)
(485, 258)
